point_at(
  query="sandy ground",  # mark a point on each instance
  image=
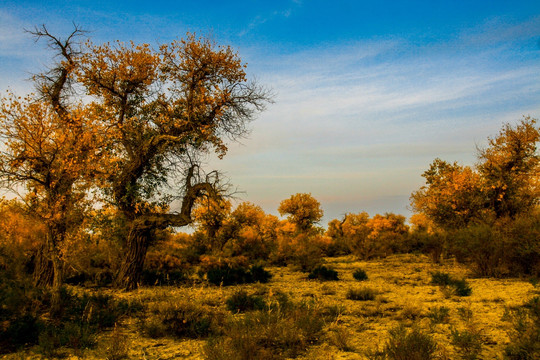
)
(404, 295)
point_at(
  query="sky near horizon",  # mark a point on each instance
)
(367, 93)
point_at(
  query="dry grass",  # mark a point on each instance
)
(405, 296)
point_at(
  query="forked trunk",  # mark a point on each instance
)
(129, 275)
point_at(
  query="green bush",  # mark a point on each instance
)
(360, 275)
(413, 345)
(82, 318)
(323, 273)
(240, 301)
(459, 286)
(226, 275)
(482, 246)
(440, 278)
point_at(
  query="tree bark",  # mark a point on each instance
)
(43, 268)
(129, 274)
(58, 282)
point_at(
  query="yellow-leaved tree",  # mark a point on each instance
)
(51, 149)
(162, 108)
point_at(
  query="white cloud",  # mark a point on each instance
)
(357, 124)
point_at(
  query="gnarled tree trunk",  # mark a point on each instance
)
(130, 271)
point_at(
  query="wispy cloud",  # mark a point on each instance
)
(372, 115)
(267, 17)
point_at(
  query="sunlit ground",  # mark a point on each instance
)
(404, 295)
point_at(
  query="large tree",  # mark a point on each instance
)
(504, 184)
(510, 169)
(161, 108)
(452, 197)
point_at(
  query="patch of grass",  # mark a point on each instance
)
(411, 311)
(268, 334)
(465, 313)
(240, 301)
(323, 273)
(525, 333)
(116, 347)
(409, 345)
(468, 343)
(439, 315)
(360, 275)
(361, 294)
(340, 337)
(333, 312)
(179, 320)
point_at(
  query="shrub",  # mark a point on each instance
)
(361, 294)
(439, 315)
(21, 330)
(460, 287)
(468, 343)
(227, 275)
(525, 335)
(240, 301)
(413, 345)
(440, 278)
(179, 320)
(268, 334)
(97, 310)
(82, 317)
(116, 346)
(522, 237)
(340, 337)
(360, 275)
(155, 277)
(481, 245)
(323, 273)
(20, 307)
(258, 274)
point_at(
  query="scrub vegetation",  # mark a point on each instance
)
(92, 264)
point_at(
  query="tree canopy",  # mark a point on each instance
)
(135, 129)
(504, 183)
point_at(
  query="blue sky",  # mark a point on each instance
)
(368, 93)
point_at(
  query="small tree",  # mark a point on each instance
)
(452, 197)
(303, 210)
(50, 152)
